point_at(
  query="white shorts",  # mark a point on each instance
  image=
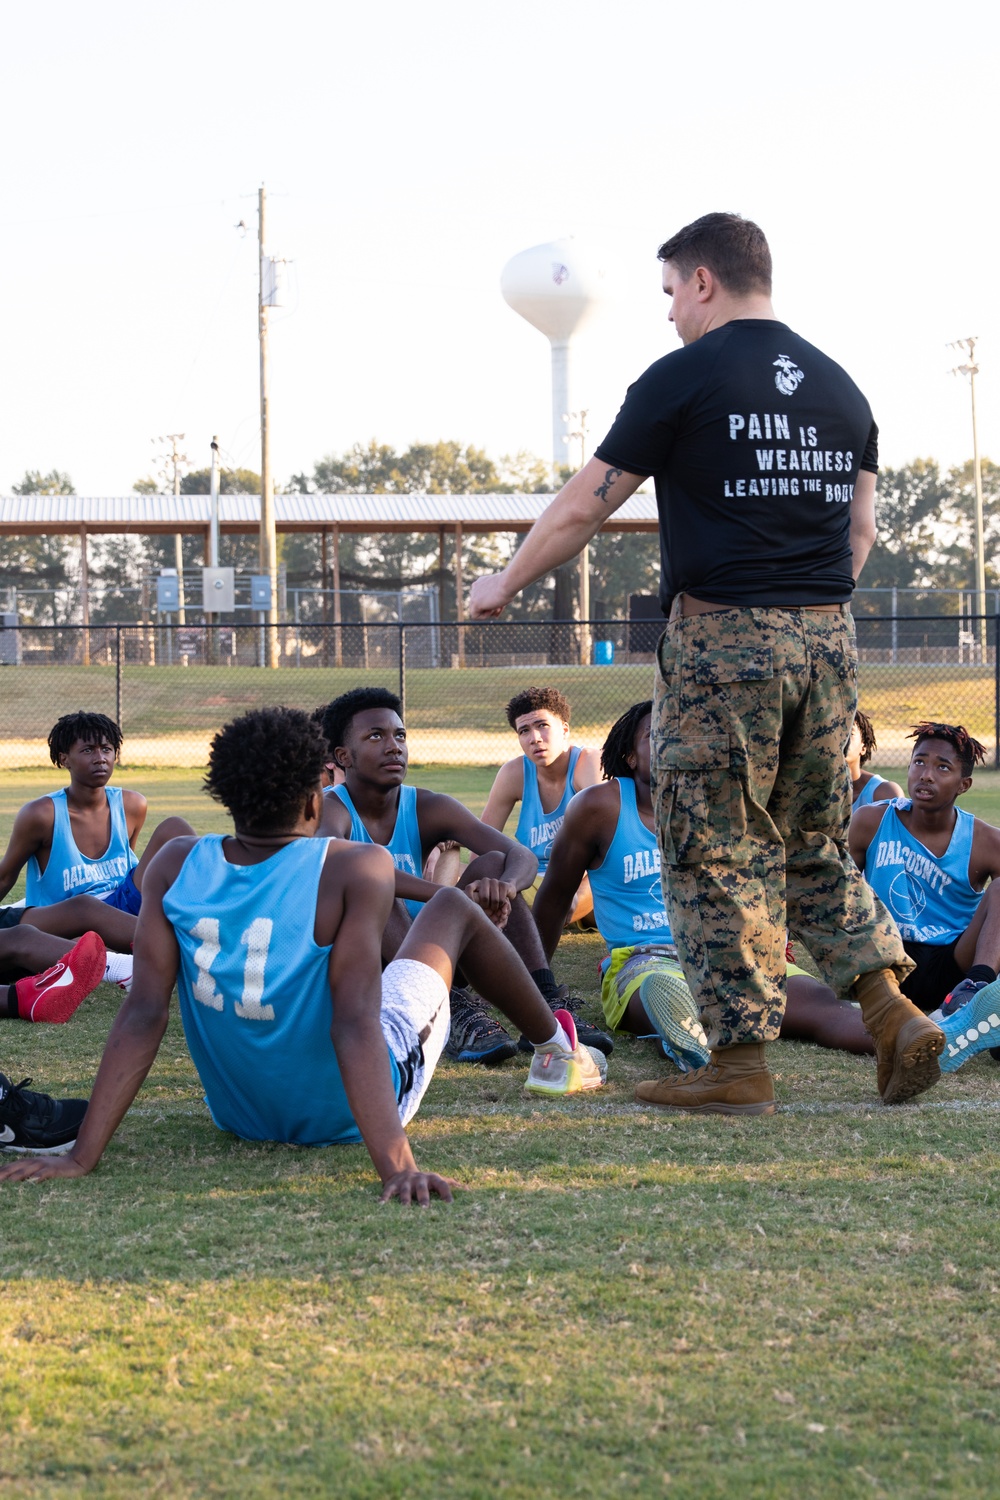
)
(416, 1019)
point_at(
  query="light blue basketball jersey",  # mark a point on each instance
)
(404, 846)
(628, 897)
(537, 829)
(254, 994)
(866, 796)
(930, 899)
(70, 873)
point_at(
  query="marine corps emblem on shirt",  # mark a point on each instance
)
(789, 376)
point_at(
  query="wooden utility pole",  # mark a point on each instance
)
(268, 534)
(579, 418)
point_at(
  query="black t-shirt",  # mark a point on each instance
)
(754, 439)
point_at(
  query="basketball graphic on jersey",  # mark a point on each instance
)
(906, 901)
(656, 892)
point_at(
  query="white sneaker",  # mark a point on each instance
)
(555, 1071)
(119, 970)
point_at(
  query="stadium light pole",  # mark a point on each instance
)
(175, 458)
(970, 368)
(268, 534)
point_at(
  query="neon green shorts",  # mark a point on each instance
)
(623, 971)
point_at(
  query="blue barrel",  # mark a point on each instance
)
(604, 653)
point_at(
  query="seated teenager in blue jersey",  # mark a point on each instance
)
(80, 840)
(273, 938)
(609, 830)
(866, 786)
(375, 804)
(543, 778)
(935, 868)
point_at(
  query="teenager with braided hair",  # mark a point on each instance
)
(866, 786)
(935, 867)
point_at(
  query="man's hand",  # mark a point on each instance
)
(494, 897)
(489, 596)
(417, 1187)
(38, 1168)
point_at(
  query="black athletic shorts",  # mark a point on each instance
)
(935, 976)
(10, 916)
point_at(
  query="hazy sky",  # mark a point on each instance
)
(409, 151)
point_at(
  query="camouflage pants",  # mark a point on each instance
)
(751, 717)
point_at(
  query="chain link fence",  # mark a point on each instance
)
(171, 687)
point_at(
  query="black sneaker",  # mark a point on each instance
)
(961, 995)
(36, 1123)
(476, 1036)
(586, 1031)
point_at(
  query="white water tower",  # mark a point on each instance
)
(557, 288)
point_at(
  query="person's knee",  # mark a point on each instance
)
(451, 903)
(172, 828)
(487, 866)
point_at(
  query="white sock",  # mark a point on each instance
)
(557, 1039)
(118, 969)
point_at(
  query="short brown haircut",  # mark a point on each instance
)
(732, 248)
(534, 698)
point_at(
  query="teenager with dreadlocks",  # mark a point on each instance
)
(609, 830)
(81, 839)
(866, 786)
(935, 867)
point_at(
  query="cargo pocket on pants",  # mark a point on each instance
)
(700, 808)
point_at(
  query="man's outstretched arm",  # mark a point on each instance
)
(135, 1037)
(562, 531)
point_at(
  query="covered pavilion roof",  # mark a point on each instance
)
(69, 515)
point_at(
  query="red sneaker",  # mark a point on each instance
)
(55, 995)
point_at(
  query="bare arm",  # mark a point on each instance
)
(863, 531)
(32, 833)
(562, 531)
(984, 860)
(335, 820)
(135, 807)
(577, 846)
(441, 817)
(136, 1035)
(863, 828)
(588, 770)
(356, 1031)
(507, 789)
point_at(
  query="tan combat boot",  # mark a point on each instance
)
(907, 1043)
(736, 1081)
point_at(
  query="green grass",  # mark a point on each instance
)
(894, 697)
(619, 1305)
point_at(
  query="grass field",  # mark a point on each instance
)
(619, 1304)
(169, 714)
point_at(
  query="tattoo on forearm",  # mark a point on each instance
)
(601, 493)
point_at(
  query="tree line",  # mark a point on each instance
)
(924, 517)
